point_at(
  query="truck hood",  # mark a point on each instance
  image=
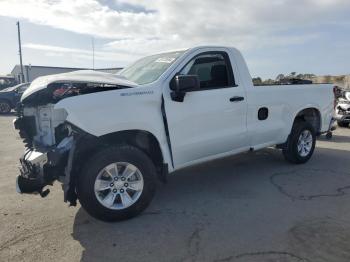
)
(81, 76)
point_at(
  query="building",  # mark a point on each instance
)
(31, 72)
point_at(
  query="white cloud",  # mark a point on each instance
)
(180, 23)
(59, 51)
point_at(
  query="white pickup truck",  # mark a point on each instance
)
(108, 138)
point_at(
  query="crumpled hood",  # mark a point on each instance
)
(89, 76)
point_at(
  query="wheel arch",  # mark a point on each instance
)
(311, 115)
(141, 139)
(144, 140)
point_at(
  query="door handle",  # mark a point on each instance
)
(237, 99)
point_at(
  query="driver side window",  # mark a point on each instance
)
(213, 70)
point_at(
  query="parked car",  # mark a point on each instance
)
(108, 138)
(342, 112)
(9, 97)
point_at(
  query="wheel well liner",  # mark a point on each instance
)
(311, 115)
(141, 139)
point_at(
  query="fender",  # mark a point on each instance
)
(104, 113)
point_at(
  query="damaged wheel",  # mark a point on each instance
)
(117, 183)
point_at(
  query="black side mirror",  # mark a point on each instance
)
(181, 84)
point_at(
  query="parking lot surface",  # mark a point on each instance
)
(250, 207)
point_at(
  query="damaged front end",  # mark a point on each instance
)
(44, 159)
(50, 140)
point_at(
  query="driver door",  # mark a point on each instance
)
(212, 120)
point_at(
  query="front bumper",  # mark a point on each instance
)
(31, 178)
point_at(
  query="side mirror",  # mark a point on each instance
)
(181, 84)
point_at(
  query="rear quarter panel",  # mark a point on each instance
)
(284, 103)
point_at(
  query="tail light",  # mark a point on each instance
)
(335, 96)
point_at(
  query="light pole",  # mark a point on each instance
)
(20, 51)
(93, 52)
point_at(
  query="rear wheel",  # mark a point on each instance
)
(301, 143)
(5, 107)
(342, 124)
(117, 183)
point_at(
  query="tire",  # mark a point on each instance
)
(291, 152)
(342, 124)
(98, 174)
(5, 107)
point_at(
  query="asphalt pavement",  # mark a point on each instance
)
(250, 207)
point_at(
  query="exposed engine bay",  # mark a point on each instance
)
(49, 139)
(40, 126)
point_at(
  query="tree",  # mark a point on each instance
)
(257, 81)
(269, 82)
(280, 77)
(292, 74)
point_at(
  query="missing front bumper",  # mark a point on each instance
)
(31, 179)
(39, 169)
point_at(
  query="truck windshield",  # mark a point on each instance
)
(150, 68)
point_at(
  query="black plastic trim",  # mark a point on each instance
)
(166, 128)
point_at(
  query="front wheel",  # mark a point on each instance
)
(301, 143)
(117, 183)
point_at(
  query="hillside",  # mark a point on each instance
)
(342, 81)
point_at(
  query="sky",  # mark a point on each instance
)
(275, 36)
